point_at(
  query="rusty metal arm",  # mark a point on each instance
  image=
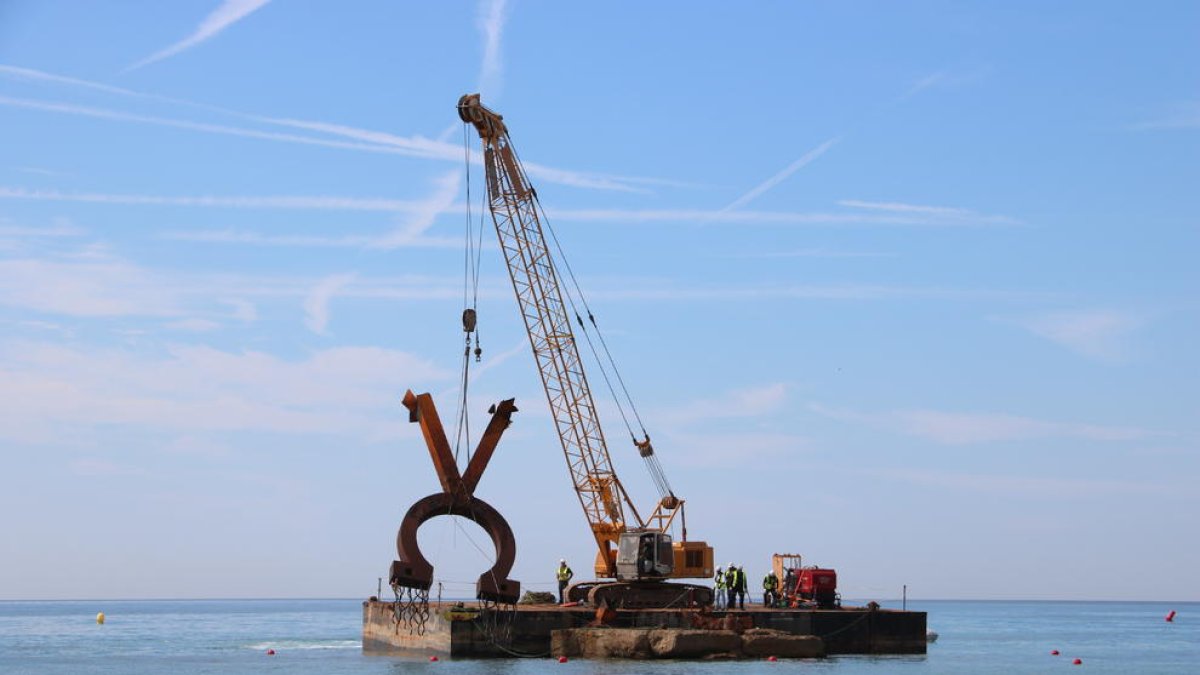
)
(457, 498)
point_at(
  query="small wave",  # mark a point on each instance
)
(282, 645)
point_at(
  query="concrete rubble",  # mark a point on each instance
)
(682, 643)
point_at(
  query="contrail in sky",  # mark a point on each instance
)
(491, 22)
(229, 13)
(778, 178)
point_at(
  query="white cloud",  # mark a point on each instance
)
(955, 428)
(1184, 116)
(194, 325)
(199, 446)
(54, 231)
(804, 160)
(906, 208)
(335, 203)
(1097, 334)
(87, 288)
(420, 217)
(942, 78)
(224, 16)
(747, 451)
(117, 116)
(822, 253)
(370, 141)
(102, 467)
(1066, 488)
(260, 202)
(38, 171)
(94, 284)
(316, 305)
(29, 74)
(738, 403)
(936, 213)
(243, 310)
(52, 389)
(491, 24)
(419, 146)
(424, 215)
(924, 83)
(663, 291)
(416, 146)
(304, 240)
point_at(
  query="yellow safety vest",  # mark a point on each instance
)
(564, 573)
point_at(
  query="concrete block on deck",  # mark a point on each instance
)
(760, 642)
(674, 643)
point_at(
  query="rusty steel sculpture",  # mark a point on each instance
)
(412, 571)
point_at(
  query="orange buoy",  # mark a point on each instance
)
(1171, 616)
(1053, 652)
(1077, 662)
(562, 659)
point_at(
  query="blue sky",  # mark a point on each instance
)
(908, 288)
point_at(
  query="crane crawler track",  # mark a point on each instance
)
(640, 594)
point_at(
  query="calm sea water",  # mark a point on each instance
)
(322, 636)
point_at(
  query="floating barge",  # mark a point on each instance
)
(470, 631)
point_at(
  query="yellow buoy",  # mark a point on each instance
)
(100, 618)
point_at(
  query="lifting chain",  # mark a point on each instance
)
(411, 609)
(496, 621)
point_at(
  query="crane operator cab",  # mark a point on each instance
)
(644, 555)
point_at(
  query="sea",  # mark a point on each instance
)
(322, 637)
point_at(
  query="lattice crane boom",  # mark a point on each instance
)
(608, 508)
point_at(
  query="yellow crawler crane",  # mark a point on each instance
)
(638, 553)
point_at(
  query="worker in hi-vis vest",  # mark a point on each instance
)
(564, 575)
(770, 589)
(719, 583)
(731, 586)
(740, 587)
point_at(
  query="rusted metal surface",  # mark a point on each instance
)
(649, 594)
(457, 498)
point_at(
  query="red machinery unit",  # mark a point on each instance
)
(818, 585)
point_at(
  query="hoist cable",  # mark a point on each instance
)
(553, 261)
(653, 466)
(587, 334)
(591, 317)
(470, 296)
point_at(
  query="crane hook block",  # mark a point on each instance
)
(469, 318)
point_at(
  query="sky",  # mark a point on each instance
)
(909, 289)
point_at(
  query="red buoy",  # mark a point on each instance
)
(1078, 662)
(562, 659)
(270, 652)
(1053, 652)
(1171, 615)
(432, 659)
(772, 659)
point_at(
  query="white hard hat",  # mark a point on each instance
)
(730, 565)
(562, 561)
